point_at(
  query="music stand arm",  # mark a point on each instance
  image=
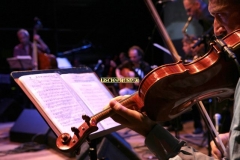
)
(20, 62)
(92, 149)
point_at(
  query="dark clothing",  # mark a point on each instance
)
(164, 145)
(139, 72)
(20, 50)
(206, 21)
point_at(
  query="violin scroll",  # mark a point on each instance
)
(67, 143)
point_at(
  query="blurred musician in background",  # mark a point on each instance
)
(38, 50)
(191, 53)
(25, 47)
(111, 63)
(123, 57)
(198, 10)
(135, 67)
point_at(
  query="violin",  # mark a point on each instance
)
(171, 89)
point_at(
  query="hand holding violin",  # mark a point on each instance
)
(131, 118)
(215, 151)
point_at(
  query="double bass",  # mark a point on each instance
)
(41, 60)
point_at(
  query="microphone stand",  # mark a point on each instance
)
(73, 53)
(92, 149)
(74, 50)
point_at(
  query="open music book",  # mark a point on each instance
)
(63, 96)
(20, 62)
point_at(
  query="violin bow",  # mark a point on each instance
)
(162, 31)
(211, 128)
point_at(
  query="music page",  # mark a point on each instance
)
(56, 100)
(94, 94)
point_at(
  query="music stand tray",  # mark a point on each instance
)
(20, 62)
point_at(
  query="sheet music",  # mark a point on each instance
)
(56, 100)
(92, 92)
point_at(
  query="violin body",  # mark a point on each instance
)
(170, 90)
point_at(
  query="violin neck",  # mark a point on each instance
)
(102, 115)
(130, 101)
(35, 57)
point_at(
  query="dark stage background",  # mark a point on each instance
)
(108, 26)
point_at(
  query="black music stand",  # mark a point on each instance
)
(93, 138)
(20, 62)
